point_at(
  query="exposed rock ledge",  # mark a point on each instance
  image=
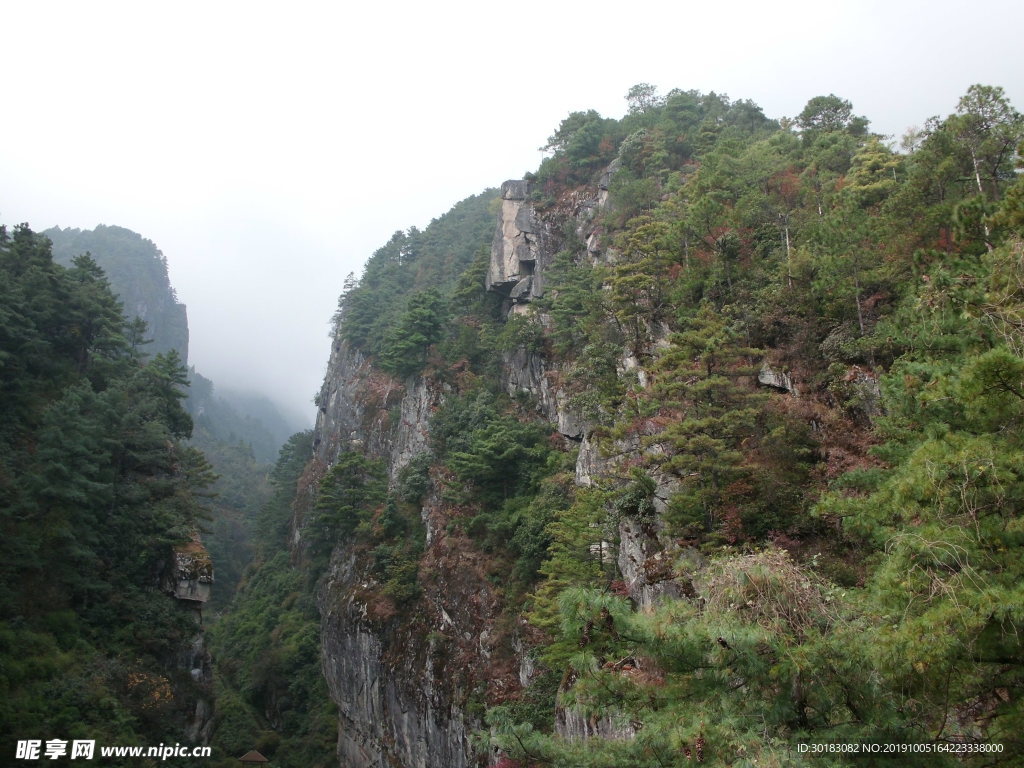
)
(519, 247)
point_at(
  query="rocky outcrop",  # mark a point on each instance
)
(520, 248)
(526, 372)
(573, 725)
(644, 559)
(197, 660)
(190, 575)
(401, 679)
(776, 378)
(382, 720)
(187, 576)
(340, 407)
(411, 682)
(355, 406)
(392, 708)
(865, 392)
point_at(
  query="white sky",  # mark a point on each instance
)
(269, 148)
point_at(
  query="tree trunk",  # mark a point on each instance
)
(981, 191)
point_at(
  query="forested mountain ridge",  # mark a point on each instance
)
(711, 451)
(704, 443)
(126, 481)
(240, 434)
(137, 272)
(101, 501)
(138, 276)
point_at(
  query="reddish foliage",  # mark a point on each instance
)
(786, 184)
(306, 488)
(381, 608)
(380, 390)
(732, 525)
(618, 587)
(782, 541)
(944, 242)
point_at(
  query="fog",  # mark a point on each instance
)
(269, 149)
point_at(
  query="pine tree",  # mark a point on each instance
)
(710, 416)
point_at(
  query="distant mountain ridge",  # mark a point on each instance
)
(137, 272)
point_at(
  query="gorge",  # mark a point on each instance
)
(701, 443)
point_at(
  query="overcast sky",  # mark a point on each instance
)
(269, 148)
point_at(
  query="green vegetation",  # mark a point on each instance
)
(845, 563)
(240, 436)
(249, 422)
(137, 272)
(96, 487)
(499, 466)
(270, 693)
(881, 604)
(735, 569)
(396, 307)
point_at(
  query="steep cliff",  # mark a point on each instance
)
(188, 577)
(137, 271)
(630, 488)
(100, 495)
(411, 682)
(399, 681)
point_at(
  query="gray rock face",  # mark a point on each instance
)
(391, 710)
(866, 390)
(190, 575)
(353, 405)
(524, 245)
(411, 435)
(520, 249)
(187, 576)
(521, 290)
(648, 564)
(198, 662)
(777, 379)
(523, 371)
(515, 189)
(392, 681)
(573, 725)
(340, 413)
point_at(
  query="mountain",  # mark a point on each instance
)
(249, 419)
(137, 272)
(103, 573)
(702, 443)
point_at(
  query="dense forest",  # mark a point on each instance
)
(118, 461)
(137, 271)
(798, 353)
(99, 493)
(711, 452)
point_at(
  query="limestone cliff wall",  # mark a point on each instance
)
(392, 708)
(520, 249)
(409, 689)
(400, 684)
(137, 272)
(187, 575)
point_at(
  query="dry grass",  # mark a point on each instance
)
(768, 589)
